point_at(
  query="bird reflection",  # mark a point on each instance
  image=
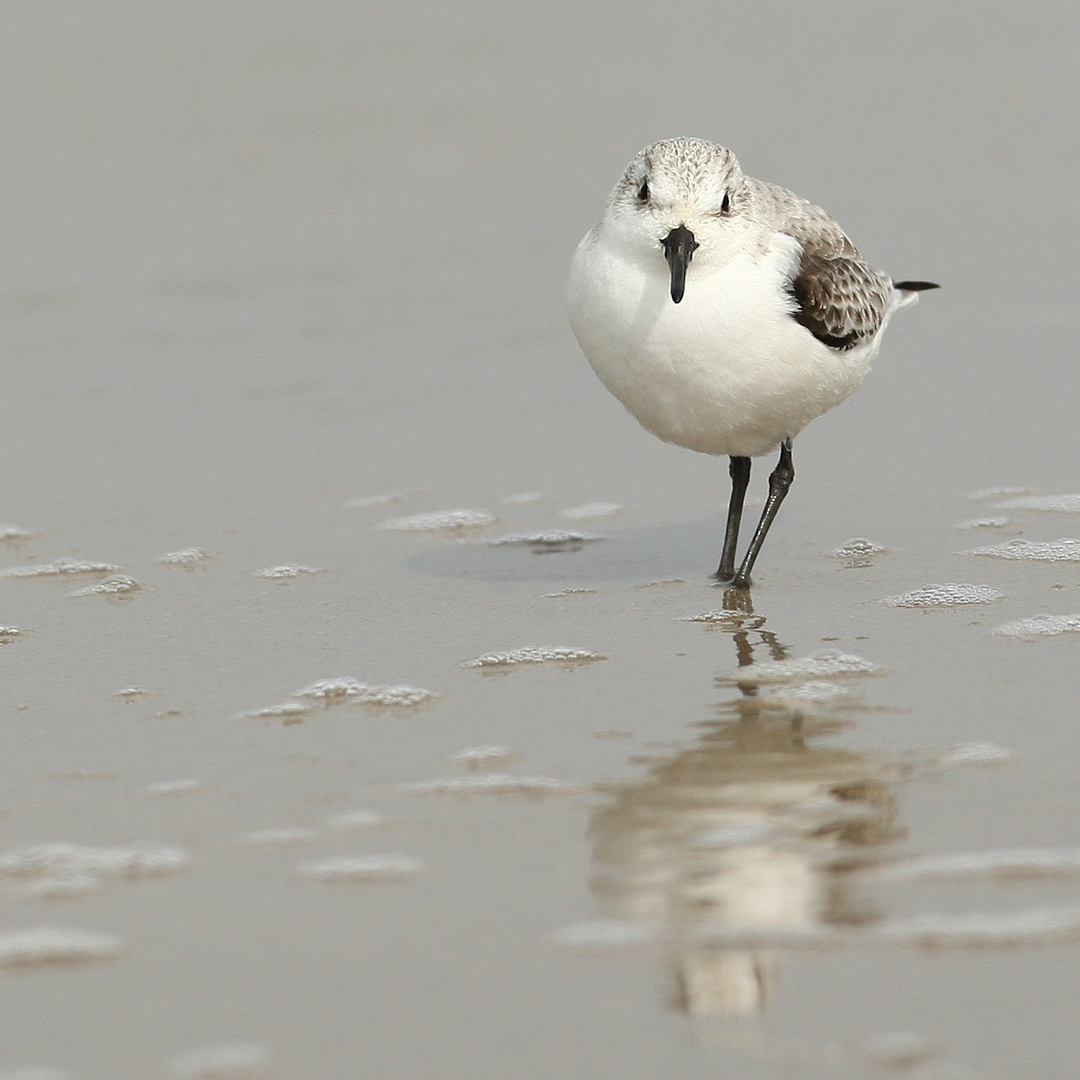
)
(757, 825)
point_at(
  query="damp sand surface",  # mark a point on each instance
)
(273, 286)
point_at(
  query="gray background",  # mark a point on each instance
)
(261, 259)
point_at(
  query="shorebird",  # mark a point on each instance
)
(726, 313)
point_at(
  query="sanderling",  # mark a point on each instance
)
(764, 317)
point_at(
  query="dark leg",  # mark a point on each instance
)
(739, 470)
(779, 482)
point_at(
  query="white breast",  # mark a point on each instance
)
(727, 370)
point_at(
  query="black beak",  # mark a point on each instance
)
(679, 246)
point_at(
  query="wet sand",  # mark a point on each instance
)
(274, 277)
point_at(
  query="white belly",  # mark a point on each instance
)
(727, 370)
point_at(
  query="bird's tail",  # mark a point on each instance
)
(907, 292)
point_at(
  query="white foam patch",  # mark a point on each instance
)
(356, 819)
(60, 568)
(534, 655)
(63, 860)
(549, 540)
(857, 553)
(491, 784)
(287, 710)
(827, 664)
(588, 511)
(373, 868)
(522, 498)
(1058, 504)
(974, 753)
(228, 1061)
(347, 689)
(176, 787)
(1039, 626)
(13, 534)
(808, 693)
(287, 572)
(1019, 863)
(570, 592)
(983, 523)
(1064, 550)
(996, 493)
(115, 585)
(8, 634)
(365, 501)
(1034, 926)
(484, 757)
(130, 693)
(46, 946)
(192, 556)
(605, 935)
(441, 521)
(947, 595)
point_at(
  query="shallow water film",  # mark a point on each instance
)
(368, 710)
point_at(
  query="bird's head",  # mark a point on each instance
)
(683, 201)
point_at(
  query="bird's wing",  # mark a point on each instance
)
(840, 299)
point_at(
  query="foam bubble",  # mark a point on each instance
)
(1060, 504)
(1064, 550)
(524, 498)
(587, 511)
(491, 784)
(176, 787)
(287, 572)
(570, 592)
(288, 710)
(983, 523)
(1019, 863)
(375, 500)
(130, 693)
(363, 868)
(550, 540)
(55, 945)
(807, 693)
(356, 819)
(63, 860)
(347, 689)
(484, 757)
(60, 568)
(857, 553)
(10, 534)
(946, 595)
(192, 556)
(8, 634)
(823, 665)
(996, 493)
(1040, 626)
(534, 655)
(441, 521)
(228, 1061)
(117, 585)
(605, 935)
(974, 753)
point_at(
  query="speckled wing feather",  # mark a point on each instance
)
(839, 298)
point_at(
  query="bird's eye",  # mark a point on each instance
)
(643, 191)
(725, 206)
